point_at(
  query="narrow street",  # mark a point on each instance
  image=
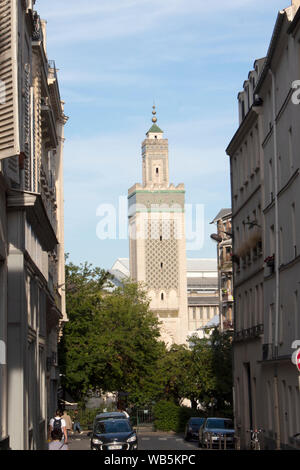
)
(147, 441)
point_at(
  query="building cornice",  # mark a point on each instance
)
(36, 214)
(156, 191)
(244, 128)
(272, 47)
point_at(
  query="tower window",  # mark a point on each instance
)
(161, 265)
(162, 296)
(160, 238)
(157, 171)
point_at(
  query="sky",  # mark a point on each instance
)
(114, 59)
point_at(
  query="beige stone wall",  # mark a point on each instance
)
(157, 240)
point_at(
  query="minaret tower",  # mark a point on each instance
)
(157, 237)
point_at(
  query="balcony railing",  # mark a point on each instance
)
(52, 69)
(37, 33)
(249, 333)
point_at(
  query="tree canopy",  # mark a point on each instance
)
(112, 342)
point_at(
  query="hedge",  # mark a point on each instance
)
(170, 417)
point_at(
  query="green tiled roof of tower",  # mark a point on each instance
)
(155, 129)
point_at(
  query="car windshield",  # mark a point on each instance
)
(196, 421)
(102, 418)
(112, 427)
(219, 424)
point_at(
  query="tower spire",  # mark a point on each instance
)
(154, 118)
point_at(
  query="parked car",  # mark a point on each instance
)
(192, 428)
(214, 429)
(113, 434)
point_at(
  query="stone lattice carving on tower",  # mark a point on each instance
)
(157, 237)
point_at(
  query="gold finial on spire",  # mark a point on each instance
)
(154, 118)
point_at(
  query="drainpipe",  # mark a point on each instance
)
(277, 280)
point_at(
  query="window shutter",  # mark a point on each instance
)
(9, 111)
(27, 92)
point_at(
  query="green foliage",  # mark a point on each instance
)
(86, 416)
(212, 369)
(111, 341)
(171, 417)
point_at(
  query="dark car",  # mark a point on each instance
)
(215, 429)
(113, 434)
(110, 415)
(192, 428)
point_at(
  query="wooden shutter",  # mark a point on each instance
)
(9, 110)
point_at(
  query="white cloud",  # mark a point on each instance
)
(118, 18)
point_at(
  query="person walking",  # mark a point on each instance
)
(77, 423)
(57, 442)
(68, 421)
(58, 425)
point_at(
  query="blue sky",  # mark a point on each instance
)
(114, 58)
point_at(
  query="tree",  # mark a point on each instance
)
(84, 288)
(111, 341)
(212, 369)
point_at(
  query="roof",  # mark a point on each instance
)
(213, 322)
(223, 213)
(193, 265)
(203, 281)
(122, 265)
(201, 264)
(201, 301)
(155, 129)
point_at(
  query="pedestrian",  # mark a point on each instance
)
(125, 413)
(77, 423)
(68, 422)
(58, 426)
(121, 409)
(57, 442)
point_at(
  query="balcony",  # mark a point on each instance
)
(251, 333)
(38, 44)
(48, 125)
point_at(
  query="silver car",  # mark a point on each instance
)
(217, 432)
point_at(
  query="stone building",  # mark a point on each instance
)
(157, 237)
(265, 160)
(223, 237)
(202, 289)
(32, 304)
(203, 293)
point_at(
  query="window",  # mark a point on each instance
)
(294, 231)
(291, 160)
(194, 313)
(157, 171)
(296, 312)
(201, 313)
(162, 296)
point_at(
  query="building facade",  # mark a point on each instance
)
(203, 293)
(157, 237)
(32, 304)
(223, 237)
(265, 183)
(202, 290)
